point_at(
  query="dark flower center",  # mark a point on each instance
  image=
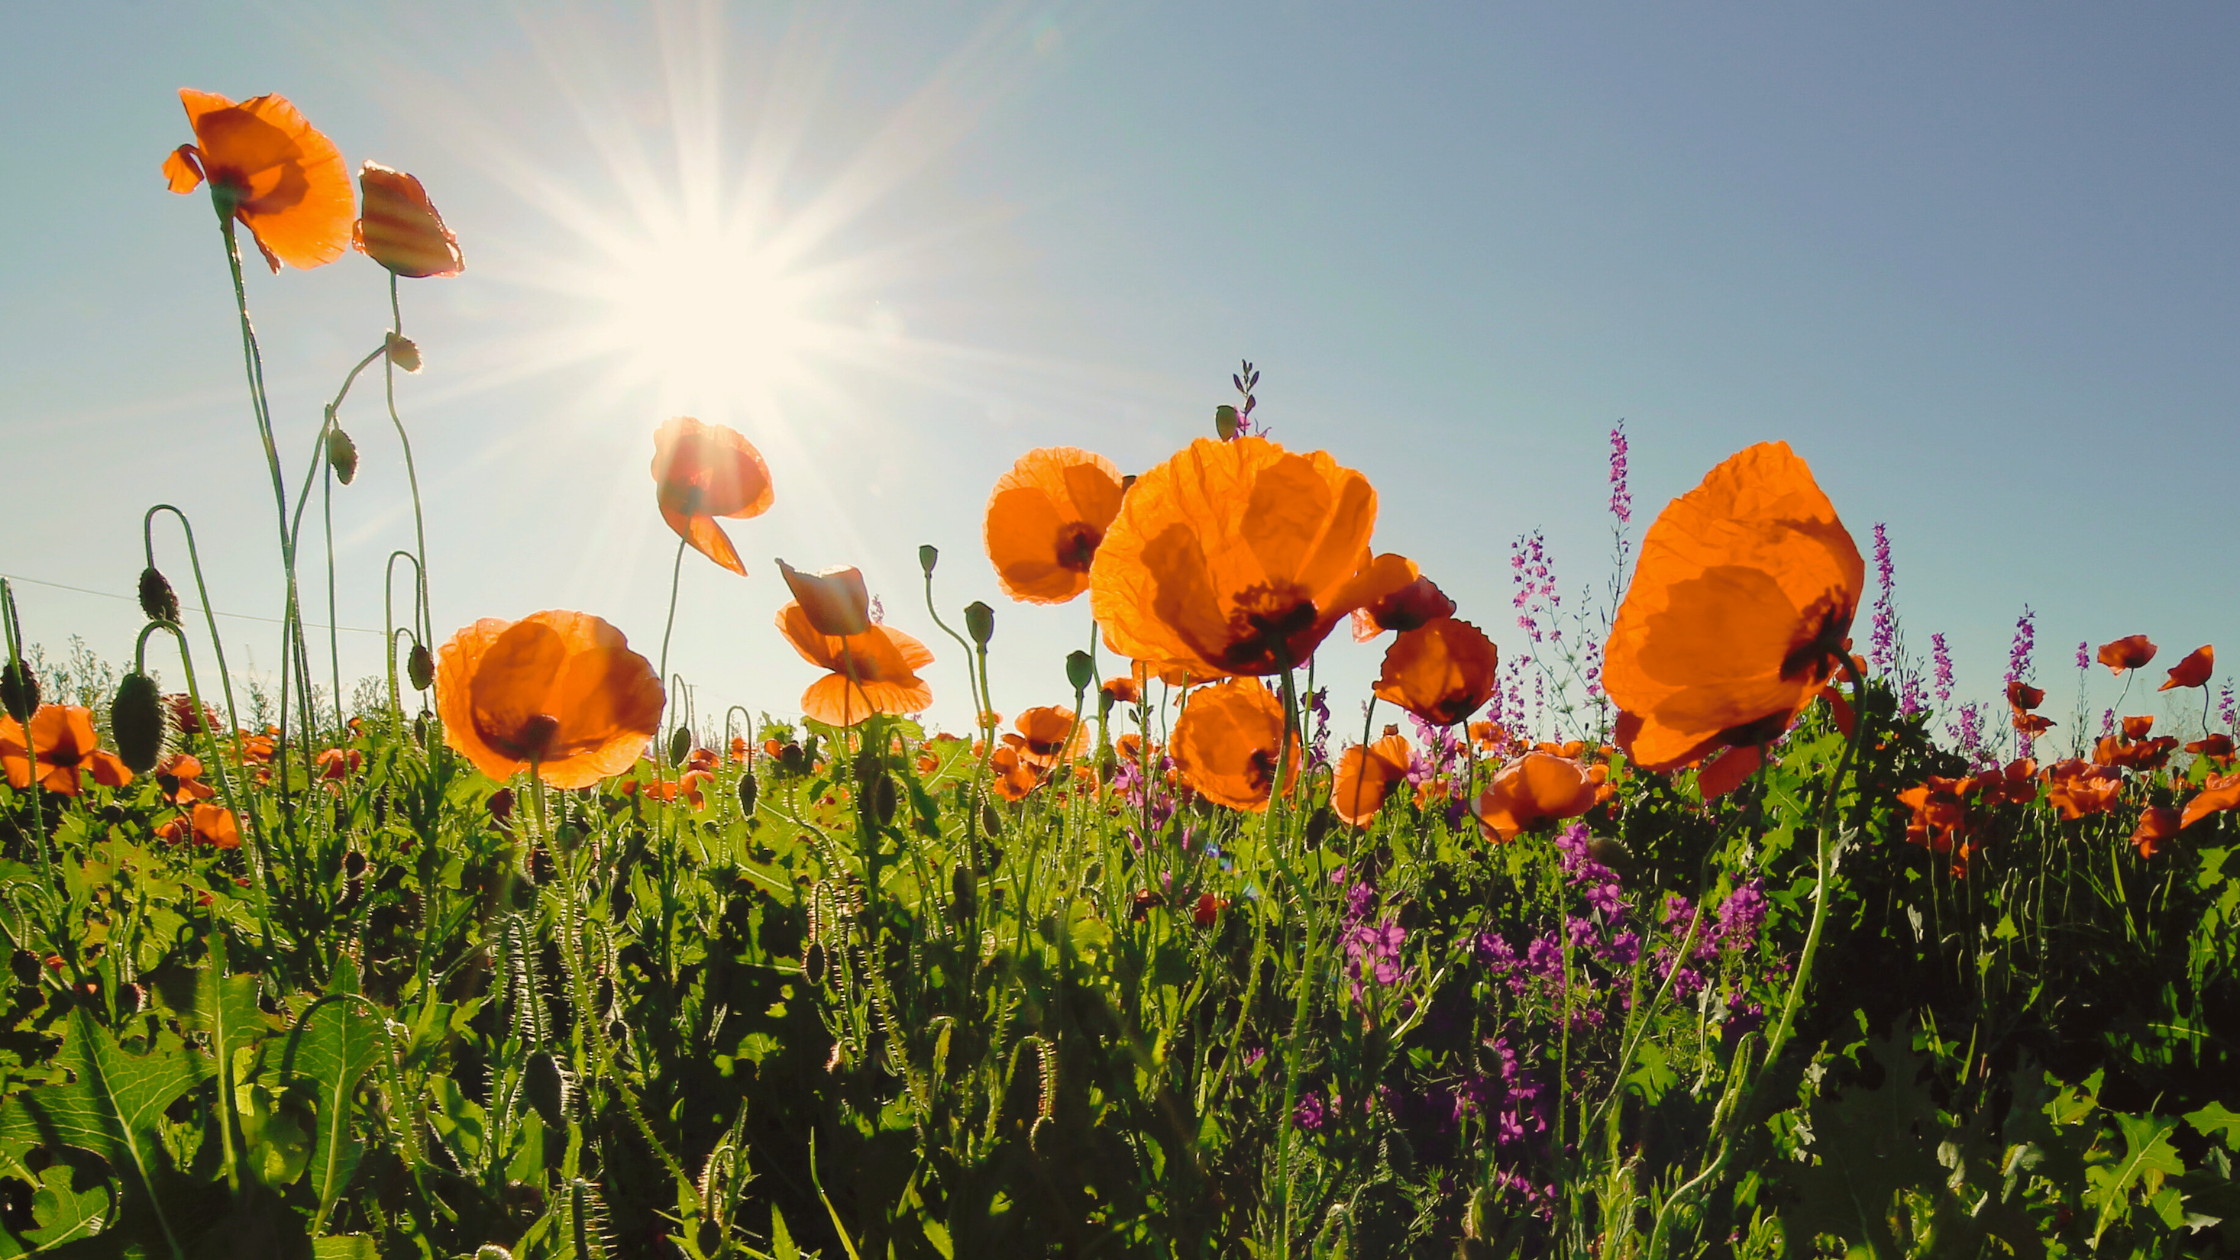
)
(1077, 546)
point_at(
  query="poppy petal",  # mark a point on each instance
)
(705, 536)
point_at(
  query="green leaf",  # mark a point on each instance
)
(65, 1214)
(344, 1247)
(781, 1239)
(336, 1045)
(110, 1107)
(275, 1132)
(2147, 1158)
(2215, 1120)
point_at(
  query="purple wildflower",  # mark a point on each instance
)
(1883, 641)
(1494, 951)
(1741, 915)
(1621, 497)
(1532, 575)
(1310, 1111)
(1944, 668)
(2084, 657)
(2025, 642)
(2228, 708)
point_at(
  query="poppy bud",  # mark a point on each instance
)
(748, 791)
(400, 228)
(835, 600)
(500, 805)
(136, 722)
(680, 744)
(1225, 421)
(980, 622)
(812, 962)
(885, 797)
(547, 1088)
(19, 691)
(928, 556)
(990, 821)
(420, 667)
(1080, 671)
(962, 891)
(157, 599)
(403, 351)
(342, 454)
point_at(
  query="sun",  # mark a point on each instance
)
(706, 315)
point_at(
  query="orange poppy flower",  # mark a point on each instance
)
(1046, 518)
(2077, 788)
(1122, 690)
(1738, 613)
(701, 472)
(1047, 735)
(1129, 747)
(1940, 814)
(62, 744)
(1366, 774)
(883, 660)
(835, 599)
(2221, 792)
(739, 751)
(2194, 670)
(558, 691)
(400, 228)
(216, 826)
(1240, 555)
(1013, 778)
(272, 171)
(1226, 739)
(2214, 747)
(1490, 736)
(2132, 651)
(2023, 697)
(2157, 825)
(1419, 603)
(338, 763)
(180, 777)
(1442, 671)
(1536, 788)
(2016, 784)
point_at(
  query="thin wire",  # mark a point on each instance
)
(189, 607)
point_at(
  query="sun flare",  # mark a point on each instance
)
(707, 317)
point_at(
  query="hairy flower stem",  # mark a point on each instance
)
(427, 628)
(14, 631)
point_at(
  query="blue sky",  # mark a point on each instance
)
(1976, 265)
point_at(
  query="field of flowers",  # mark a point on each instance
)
(1690, 928)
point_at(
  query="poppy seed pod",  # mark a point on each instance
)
(19, 691)
(403, 351)
(979, 622)
(680, 743)
(749, 791)
(547, 1088)
(420, 667)
(136, 722)
(1080, 671)
(928, 556)
(157, 599)
(342, 454)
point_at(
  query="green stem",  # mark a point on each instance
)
(412, 477)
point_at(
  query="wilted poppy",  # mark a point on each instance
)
(2194, 670)
(216, 826)
(1419, 603)
(835, 600)
(1365, 777)
(62, 743)
(1535, 788)
(271, 170)
(2076, 788)
(558, 691)
(1241, 555)
(2220, 793)
(2157, 824)
(2132, 651)
(1046, 736)
(1225, 743)
(701, 472)
(400, 228)
(1046, 518)
(882, 661)
(1442, 671)
(1738, 613)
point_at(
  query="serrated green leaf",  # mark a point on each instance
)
(781, 1239)
(334, 1048)
(2218, 1121)
(65, 1214)
(109, 1107)
(344, 1247)
(2147, 1158)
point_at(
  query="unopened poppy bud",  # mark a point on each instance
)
(547, 1089)
(19, 691)
(157, 599)
(1080, 671)
(885, 797)
(749, 790)
(342, 454)
(420, 667)
(680, 744)
(980, 622)
(1225, 421)
(136, 722)
(928, 556)
(400, 228)
(403, 351)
